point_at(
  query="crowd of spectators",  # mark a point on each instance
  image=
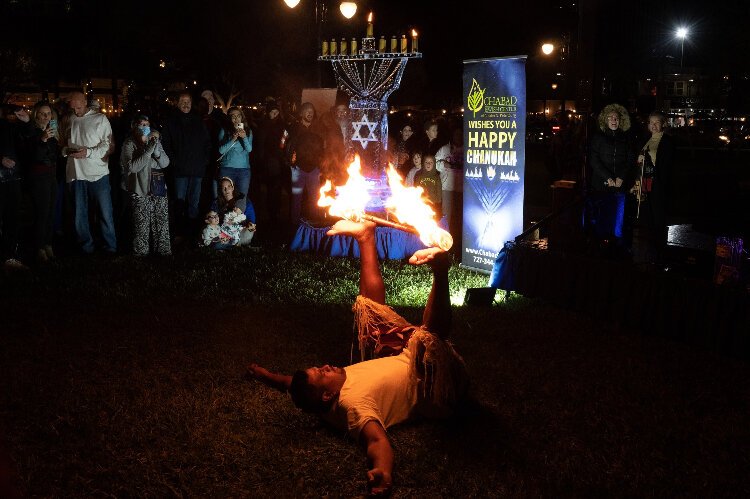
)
(74, 180)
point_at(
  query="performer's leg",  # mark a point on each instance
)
(437, 314)
(370, 279)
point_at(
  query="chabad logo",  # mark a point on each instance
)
(475, 100)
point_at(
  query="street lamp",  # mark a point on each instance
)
(560, 48)
(682, 33)
(348, 9)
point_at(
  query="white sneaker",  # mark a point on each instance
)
(11, 264)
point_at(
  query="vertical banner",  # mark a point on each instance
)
(495, 157)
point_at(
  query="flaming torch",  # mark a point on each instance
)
(406, 204)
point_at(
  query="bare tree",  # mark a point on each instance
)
(226, 87)
(16, 67)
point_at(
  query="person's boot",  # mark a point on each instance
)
(48, 251)
(41, 256)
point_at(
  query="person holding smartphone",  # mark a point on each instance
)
(87, 172)
(41, 137)
(235, 144)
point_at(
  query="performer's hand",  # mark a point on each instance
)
(434, 257)
(379, 482)
(255, 371)
(358, 230)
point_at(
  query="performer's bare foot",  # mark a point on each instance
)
(435, 257)
(358, 230)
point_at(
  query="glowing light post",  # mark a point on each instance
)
(547, 49)
(348, 9)
(682, 33)
(369, 75)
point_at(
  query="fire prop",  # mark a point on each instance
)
(405, 203)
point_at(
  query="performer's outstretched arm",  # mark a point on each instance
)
(370, 279)
(279, 381)
(437, 314)
(379, 457)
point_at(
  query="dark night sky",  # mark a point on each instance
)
(271, 49)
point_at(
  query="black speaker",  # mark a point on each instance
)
(480, 296)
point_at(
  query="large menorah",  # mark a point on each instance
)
(369, 77)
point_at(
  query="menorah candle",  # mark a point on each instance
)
(414, 45)
(333, 46)
(403, 44)
(394, 45)
(324, 49)
(381, 44)
(344, 48)
(369, 25)
(353, 47)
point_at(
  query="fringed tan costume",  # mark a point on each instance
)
(435, 364)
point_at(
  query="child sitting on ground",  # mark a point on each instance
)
(214, 235)
(233, 224)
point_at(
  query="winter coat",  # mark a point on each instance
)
(430, 182)
(612, 154)
(187, 144)
(269, 146)
(138, 160)
(42, 155)
(307, 144)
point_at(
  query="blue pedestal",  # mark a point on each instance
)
(392, 244)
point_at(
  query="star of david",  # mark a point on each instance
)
(357, 137)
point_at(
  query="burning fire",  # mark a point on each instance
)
(349, 200)
(405, 203)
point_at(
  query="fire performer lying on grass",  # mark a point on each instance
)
(416, 371)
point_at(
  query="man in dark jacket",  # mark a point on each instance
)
(188, 145)
(10, 195)
(272, 137)
(304, 154)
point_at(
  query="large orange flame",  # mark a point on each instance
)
(348, 200)
(405, 203)
(408, 205)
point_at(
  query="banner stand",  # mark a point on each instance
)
(494, 157)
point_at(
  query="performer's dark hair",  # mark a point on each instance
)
(306, 396)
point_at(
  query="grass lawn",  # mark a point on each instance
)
(123, 377)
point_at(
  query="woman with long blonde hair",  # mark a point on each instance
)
(41, 136)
